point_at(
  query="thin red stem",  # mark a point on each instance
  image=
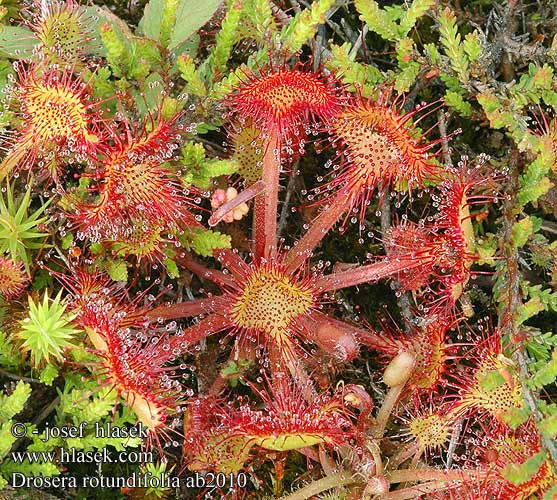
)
(214, 275)
(210, 325)
(187, 309)
(368, 274)
(326, 219)
(266, 204)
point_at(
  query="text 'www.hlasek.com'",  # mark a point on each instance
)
(73, 455)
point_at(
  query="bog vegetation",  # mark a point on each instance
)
(310, 246)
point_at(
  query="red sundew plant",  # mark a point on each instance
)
(191, 277)
(287, 422)
(492, 386)
(269, 300)
(135, 187)
(282, 103)
(60, 119)
(12, 278)
(133, 351)
(428, 344)
(276, 302)
(445, 247)
(133, 364)
(283, 100)
(380, 146)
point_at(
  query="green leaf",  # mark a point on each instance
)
(304, 25)
(522, 231)
(48, 374)
(204, 241)
(529, 309)
(451, 40)
(472, 46)
(522, 473)
(13, 404)
(47, 330)
(406, 56)
(377, 19)
(406, 78)
(491, 380)
(547, 373)
(171, 268)
(515, 417)
(6, 69)
(539, 346)
(361, 76)
(19, 231)
(550, 494)
(104, 19)
(159, 20)
(201, 170)
(499, 116)
(151, 98)
(548, 426)
(194, 82)
(534, 182)
(455, 100)
(190, 16)
(17, 42)
(10, 357)
(67, 241)
(414, 12)
(118, 270)
(432, 53)
(150, 23)
(224, 41)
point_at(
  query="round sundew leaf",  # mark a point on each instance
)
(288, 442)
(430, 430)
(225, 455)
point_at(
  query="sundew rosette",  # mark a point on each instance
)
(267, 304)
(379, 145)
(135, 184)
(283, 104)
(222, 436)
(12, 279)
(60, 122)
(134, 353)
